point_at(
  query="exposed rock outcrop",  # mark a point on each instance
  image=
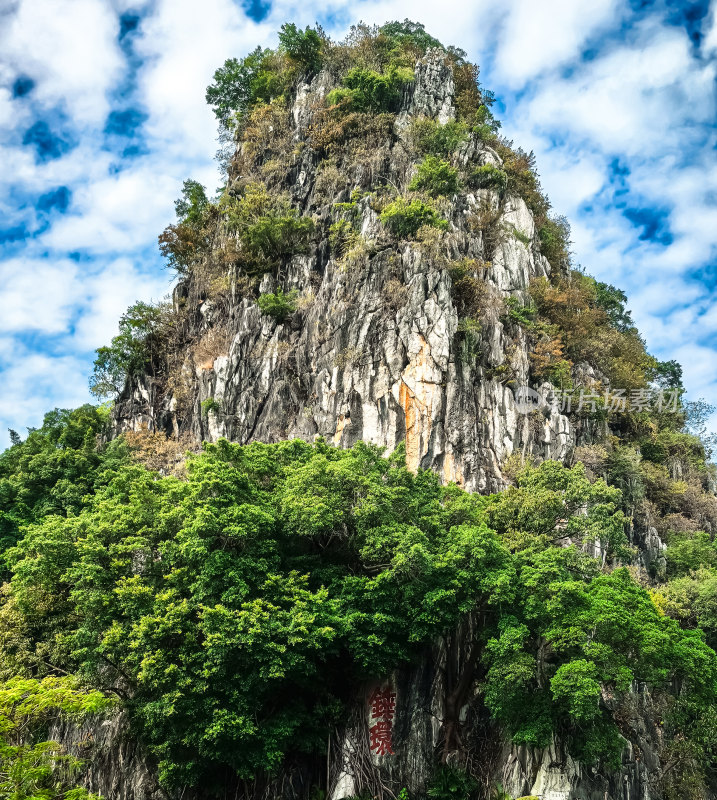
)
(376, 351)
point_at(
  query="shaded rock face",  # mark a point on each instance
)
(116, 766)
(376, 351)
(548, 773)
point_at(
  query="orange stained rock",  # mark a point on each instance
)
(417, 394)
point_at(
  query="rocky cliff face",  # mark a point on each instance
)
(375, 351)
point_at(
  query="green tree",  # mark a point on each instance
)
(411, 33)
(184, 242)
(403, 218)
(32, 768)
(552, 505)
(134, 351)
(54, 468)
(369, 91)
(242, 83)
(613, 301)
(270, 228)
(303, 47)
(278, 305)
(238, 608)
(238, 605)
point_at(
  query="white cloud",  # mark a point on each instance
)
(537, 36)
(108, 294)
(34, 384)
(69, 48)
(37, 295)
(117, 212)
(183, 43)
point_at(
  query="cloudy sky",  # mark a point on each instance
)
(102, 116)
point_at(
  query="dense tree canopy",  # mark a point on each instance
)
(237, 610)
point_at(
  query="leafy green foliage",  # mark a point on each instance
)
(485, 125)
(435, 139)
(53, 470)
(612, 301)
(240, 606)
(692, 600)
(436, 177)
(365, 90)
(224, 598)
(451, 783)
(342, 236)
(409, 34)
(522, 314)
(270, 228)
(278, 305)
(302, 47)
(142, 329)
(187, 240)
(473, 102)
(489, 177)
(624, 472)
(597, 631)
(30, 767)
(545, 508)
(192, 205)
(208, 405)
(403, 217)
(554, 236)
(688, 553)
(243, 83)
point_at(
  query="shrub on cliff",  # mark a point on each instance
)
(278, 305)
(269, 227)
(409, 35)
(488, 177)
(436, 177)
(403, 217)
(434, 139)
(554, 236)
(366, 90)
(189, 239)
(136, 349)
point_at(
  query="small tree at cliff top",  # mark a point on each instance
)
(303, 47)
(133, 351)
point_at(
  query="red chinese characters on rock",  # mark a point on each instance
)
(383, 710)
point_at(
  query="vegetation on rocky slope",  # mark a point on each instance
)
(233, 601)
(233, 610)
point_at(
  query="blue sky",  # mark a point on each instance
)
(102, 116)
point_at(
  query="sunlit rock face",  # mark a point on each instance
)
(375, 351)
